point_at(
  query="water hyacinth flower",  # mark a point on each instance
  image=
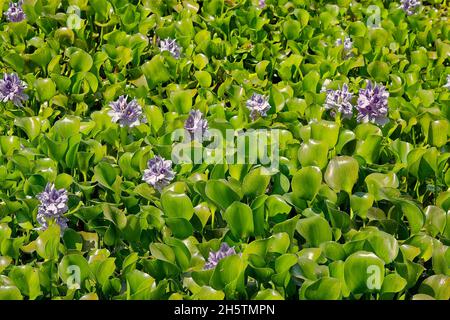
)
(258, 106)
(172, 46)
(15, 12)
(12, 89)
(159, 173)
(348, 45)
(196, 125)
(339, 101)
(53, 206)
(372, 104)
(409, 6)
(128, 114)
(214, 257)
(448, 82)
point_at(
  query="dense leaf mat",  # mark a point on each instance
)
(91, 90)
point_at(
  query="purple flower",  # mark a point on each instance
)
(15, 12)
(214, 257)
(11, 89)
(159, 173)
(372, 104)
(448, 82)
(339, 101)
(258, 106)
(196, 125)
(409, 6)
(262, 4)
(53, 206)
(126, 113)
(348, 45)
(170, 45)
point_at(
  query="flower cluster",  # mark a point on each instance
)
(159, 173)
(372, 104)
(196, 125)
(339, 101)
(348, 45)
(53, 206)
(258, 106)
(262, 4)
(409, 6)
(15, 12)
(172, 46)
(214, 257)
(12, 89)
(126, 113)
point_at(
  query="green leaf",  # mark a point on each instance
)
(31, 126)
(10, 293)
(315, 230)
(221, 193)
(81, 61)
(48, 242)
(268, 294)
(313, 153)
(26, 278)
(239, 218)
(342, 173)
(437, 286)
(177, 205)
(306, 182)
(325, 288)
(255, 182)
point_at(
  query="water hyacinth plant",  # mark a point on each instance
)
(410, 6)
(196, 125)
(318, 131)
(158, 173)
(171, 46)
(53, 205)
(372, 104)
(347, 45)
(214, 257)
(127, 114)
(258, 105)
(12, 89)
(340, 101)
(15, 12)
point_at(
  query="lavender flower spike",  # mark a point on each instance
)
(172, 46)
(12, 89)
(258, 106)
(214, 257)
(409, 6)
(15, 12)
(53, 206)
(447, 86)
(126, 113)
(339, 101)
(196, 125)
(372, 104)
(159, 173)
